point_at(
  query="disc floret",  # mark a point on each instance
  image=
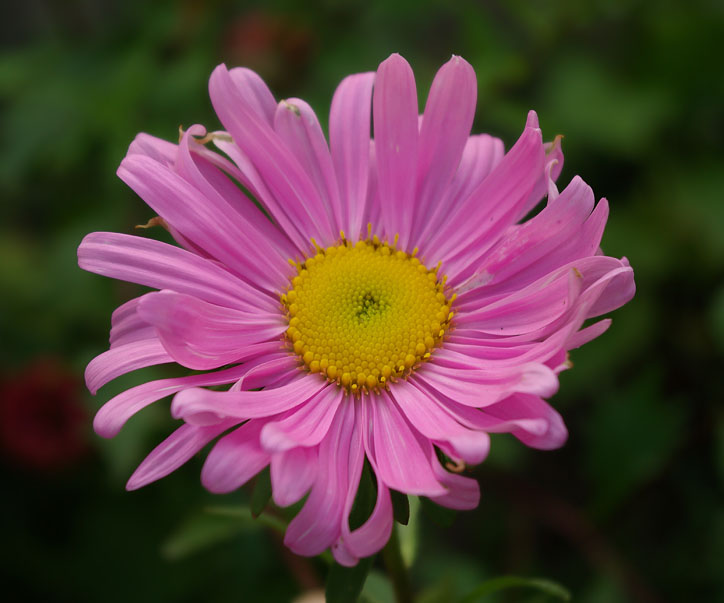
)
(365, 314)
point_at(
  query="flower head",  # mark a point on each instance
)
(385, 303)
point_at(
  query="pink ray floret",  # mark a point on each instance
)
(524, 290)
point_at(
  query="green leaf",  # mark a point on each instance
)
(261, 493)
(199, 533)
(400, 507)
(443, 591)
(496, 584)
(442, 516)
(377, 589)
(632, 436)
(344, 584)
(364, 502)
(409, 534)
(716, 318)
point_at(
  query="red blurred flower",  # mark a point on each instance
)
(274, 45)
(42, 418)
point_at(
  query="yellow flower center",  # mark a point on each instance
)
(365, 314)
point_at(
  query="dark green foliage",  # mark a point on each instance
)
(400, 507)
(364, 502)
(440, 515)
(553, 589)
(344, 584)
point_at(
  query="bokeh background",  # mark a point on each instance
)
(631, 509)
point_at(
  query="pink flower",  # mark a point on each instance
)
(391, 305)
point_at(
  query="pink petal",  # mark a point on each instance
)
(373, 210)
(173, 452)
(234, 459)
(113, 414)
(349, 140)
(297, 124)
(484, 354)
(462, 493)
(492, 207)
(373, 534)
(205, 407)
(594, 276)
(305, 425)
(250, 179)
(343, 555)
(318, 524)
(482, 153)
(541, 241)
(400, 460)
(156, 148)
(292, 474)
(530, 308)
(524, 406)
(127, 326)
(445, 128)
(206, 219)
(203, 336)
(532, 421)
(546, 183)
(617, 287)
(205, 170)
(431, 420)
(490, 349)
(277, 370)
(161, 266)
(588, 334)
(395, 125)
(527, 268)
(255, 92)
(123, 359)
(295, 195)
(481, 388)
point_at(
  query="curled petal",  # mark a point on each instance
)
(463, 493)
(113, 414)
(372, 535)
(318, 524)
(204, 407)
(431, 420)
(123, 359)
(305, 425)
(127, 326)
(203, 336)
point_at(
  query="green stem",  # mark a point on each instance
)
(392, 556)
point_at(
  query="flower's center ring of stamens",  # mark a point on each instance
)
(366, 314)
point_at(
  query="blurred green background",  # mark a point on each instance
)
(631, 509)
